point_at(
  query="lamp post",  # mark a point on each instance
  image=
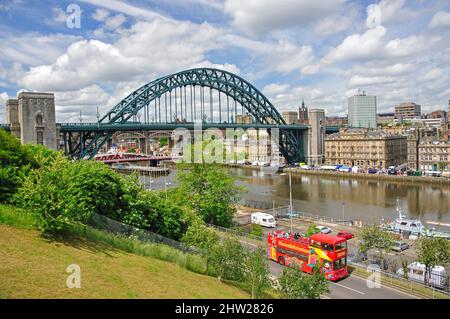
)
(151, 182)
(343, 212)
(290, 196)
(165, 185)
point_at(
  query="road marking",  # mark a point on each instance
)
(391, 288)
(343, 286)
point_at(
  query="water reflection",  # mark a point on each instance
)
(364, 199)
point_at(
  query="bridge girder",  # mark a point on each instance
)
(225, 82)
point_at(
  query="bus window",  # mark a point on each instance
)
(341, 245)
(340, 263)
(327, 247)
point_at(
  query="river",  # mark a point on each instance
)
(365, 200)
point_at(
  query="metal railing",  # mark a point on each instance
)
(112, 226)
(406, 284)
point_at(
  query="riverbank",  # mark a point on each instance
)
(438, 181)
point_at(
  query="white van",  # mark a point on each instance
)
(263, 219)
(416, 272)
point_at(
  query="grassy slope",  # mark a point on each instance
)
(33, 267)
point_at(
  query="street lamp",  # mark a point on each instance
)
(343, 212)
(165, 185)
(290, 196)
(151, 182)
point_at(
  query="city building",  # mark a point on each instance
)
(290, 117)
(32, 118)
(316, 137)
(303, 114)
(439, 114)
(365, 148)
(362, 111)
(384, 119)
(413, 154)
(434, 155)
(428, 122)
(336, 121)
(244, 119)
(407, 111)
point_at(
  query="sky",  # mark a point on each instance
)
(93, 53)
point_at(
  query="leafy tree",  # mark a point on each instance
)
(311, 230)
(374, 237)
(296, 285)
(256, 230)
(163, 141)
(202, 237)
(432, 252)
(210, 191)
(227, 259)
(256, 272)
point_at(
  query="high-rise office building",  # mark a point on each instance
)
(362, 111)
(408, 110)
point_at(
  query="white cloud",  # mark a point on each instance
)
(275, 88)
(260, 16)
(125, 8)
(115, 22)
(440, 19)
(100, 14)
(289, 57)
(358, 46)
(59, 15)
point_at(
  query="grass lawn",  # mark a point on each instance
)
(34, 267)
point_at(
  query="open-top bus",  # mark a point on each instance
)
(305, 252)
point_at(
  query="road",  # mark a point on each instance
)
(352, 287)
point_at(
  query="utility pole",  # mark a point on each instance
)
(343, 212)
(290, 196)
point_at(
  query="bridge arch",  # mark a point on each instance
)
(146, 102)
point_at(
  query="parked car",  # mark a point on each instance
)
(392, 171)
(324, 229)
(372, 171)
(345, 234)
(400, 246)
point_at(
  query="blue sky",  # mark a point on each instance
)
(319, 51)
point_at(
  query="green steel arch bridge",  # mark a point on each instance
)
(213, 97)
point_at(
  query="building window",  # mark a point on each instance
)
(39, 119)
(40, 137)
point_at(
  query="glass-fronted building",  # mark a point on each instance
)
(362, 111)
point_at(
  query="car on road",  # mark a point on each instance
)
(400, 246)
(345, 234)
(372, 171)
(324, 229)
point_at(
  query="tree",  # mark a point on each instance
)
(200, 236)
(227, 259)
(256, 272)
(374, 237)
(312, 229)
(432, 252)
(210, 191)
(296, 285)
(257, 230)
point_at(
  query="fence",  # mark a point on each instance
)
(284, 212)
(237, 232)
(402, 283)
(104, 223)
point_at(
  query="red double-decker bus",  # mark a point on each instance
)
(305, 252)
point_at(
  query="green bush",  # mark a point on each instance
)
(256, 230)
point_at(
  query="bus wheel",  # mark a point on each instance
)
(281, 260)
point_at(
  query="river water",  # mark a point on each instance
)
(365, 200)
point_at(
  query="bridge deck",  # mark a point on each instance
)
(95, 127)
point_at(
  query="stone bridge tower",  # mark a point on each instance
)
(32, 118)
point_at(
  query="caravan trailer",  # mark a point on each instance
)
(263, 219)
(416, 272)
